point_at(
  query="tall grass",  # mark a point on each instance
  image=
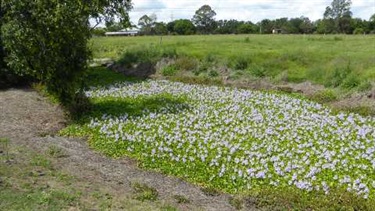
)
(340, 61)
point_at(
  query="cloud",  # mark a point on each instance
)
(248, 10)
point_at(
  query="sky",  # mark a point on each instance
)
(247, 10)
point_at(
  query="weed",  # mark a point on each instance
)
(258, 71)
(144, 192)
(203, 67)
(365, 86)
(240, 62)
(213, 73)
(247, 39)
(351, 81)
(209, 191)
(186, 63)
(5, 145)
(181, 199)
(324, 96)
(336, 78)
(145, 55)
(236, 202)
(55, 151)
(169, 70)
(336, 38)
(169, 208)
(362, 110)
(39, 160)
(210, 58)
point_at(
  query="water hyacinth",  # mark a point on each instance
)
(240, 139)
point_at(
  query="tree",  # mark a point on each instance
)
(339, 11)
(245, 28)
(160, 28)
(184, 27)
(306, 27)
(147, 23)
(371, 24)
(228, 26)
(204, 19)
(326, 26)
(48, 39)
(113, 27)
(266, 26)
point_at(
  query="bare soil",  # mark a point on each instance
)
(29, 120)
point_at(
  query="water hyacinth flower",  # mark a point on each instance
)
(242, 137)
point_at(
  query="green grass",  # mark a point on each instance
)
(144, 192)
(326, 60)
(32, 180)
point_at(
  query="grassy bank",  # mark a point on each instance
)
(332, 60)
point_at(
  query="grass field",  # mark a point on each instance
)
(343, 61)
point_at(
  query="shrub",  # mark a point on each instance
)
(365, 86)
(210, 58)
(203, 67)
(240, 62)
(295, 75)
(213, 73)
(351, 81)
(258, 71)
(186, 63)
(336, 78)
(325, 96)
(169, 70)
(145, 55)
(358, 31)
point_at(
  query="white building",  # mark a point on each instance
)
(125, 32)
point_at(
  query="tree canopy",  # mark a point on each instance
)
(339, 11)
(47, 39)
(204, 19)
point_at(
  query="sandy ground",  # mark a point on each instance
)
(29, 120)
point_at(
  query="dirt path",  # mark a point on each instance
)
(28, 120)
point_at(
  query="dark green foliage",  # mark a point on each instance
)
(240, 62)
(258, 71)
(99, 32)
(169, 70)
(48, 45)
(46, 40)
(351, 81)
(325, 96)
(146, 55)
(204, 19)
(184, 27)
(213, 73)
(337, 77)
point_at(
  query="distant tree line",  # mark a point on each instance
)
(337, 19)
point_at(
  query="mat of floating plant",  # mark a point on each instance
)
(239, 139)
